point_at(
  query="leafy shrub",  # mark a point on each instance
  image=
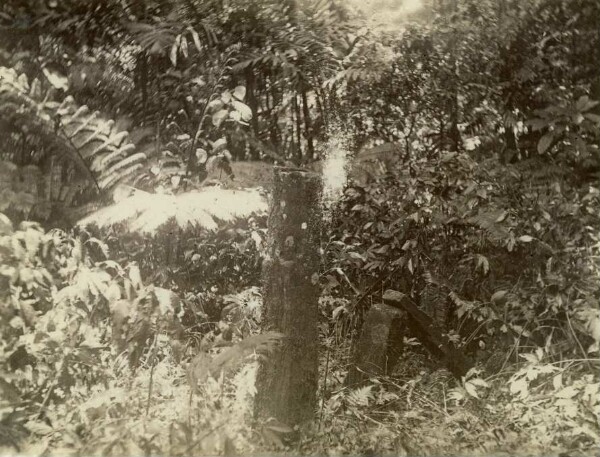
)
(484, 250)
(88, 345)
(195, 260)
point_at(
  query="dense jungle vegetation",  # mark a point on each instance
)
(137, 145)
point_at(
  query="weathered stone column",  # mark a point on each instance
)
(377, 350)
(287, 380)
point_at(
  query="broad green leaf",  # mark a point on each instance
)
(219, 117)
(502, 216)
(196, 38)
(356, 255)
(537, 124)
(135, 276)
(57, 79)
(592, 117)
(510, 245)
(173, 54)
(215, 105)
(577, 118)
(584, 103)
(530, 357)
(243, 109)
(479, 382)
(6, 227)
(471, 389)
(239, 93)
(545, 142)
(567, 392)
(591, 322)
(226, 97)
(219, 144)
(184, 46)
(483, 264)
(557, 381)
(456, 394)
(520, 386)
(201, 155)
(39, 427)
(112, 293)
(526, 239)
(26, 276)
(499, 297)
(33, 238)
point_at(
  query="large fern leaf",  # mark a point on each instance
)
(91, 141)
(230, 359)
(489, 222)
(203, 365)
(145, 212)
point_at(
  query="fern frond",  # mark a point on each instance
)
(112, 179)
(488, 221)
(360, 396)
(202, 365)
(145, 212)
(101, 163)
(540, 170)
(90, 140)
(138, 157)
(230, 359)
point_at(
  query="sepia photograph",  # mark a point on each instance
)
(264, 228)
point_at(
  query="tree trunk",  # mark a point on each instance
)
(274, 128)
(253, 105)
(310, 149)
(454, 105)
(296, 108)
(287, 381)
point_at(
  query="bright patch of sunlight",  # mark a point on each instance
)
(335, 165)
(145, 212)
(410, 6)
(386, 14)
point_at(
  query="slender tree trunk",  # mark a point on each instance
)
(454, 106)
(310, 148)
(274, 128)
(298, 127)
(322, 102)
(320, 109)
(253, 105)
(287, 380)
(143, 80)
(511, 143)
